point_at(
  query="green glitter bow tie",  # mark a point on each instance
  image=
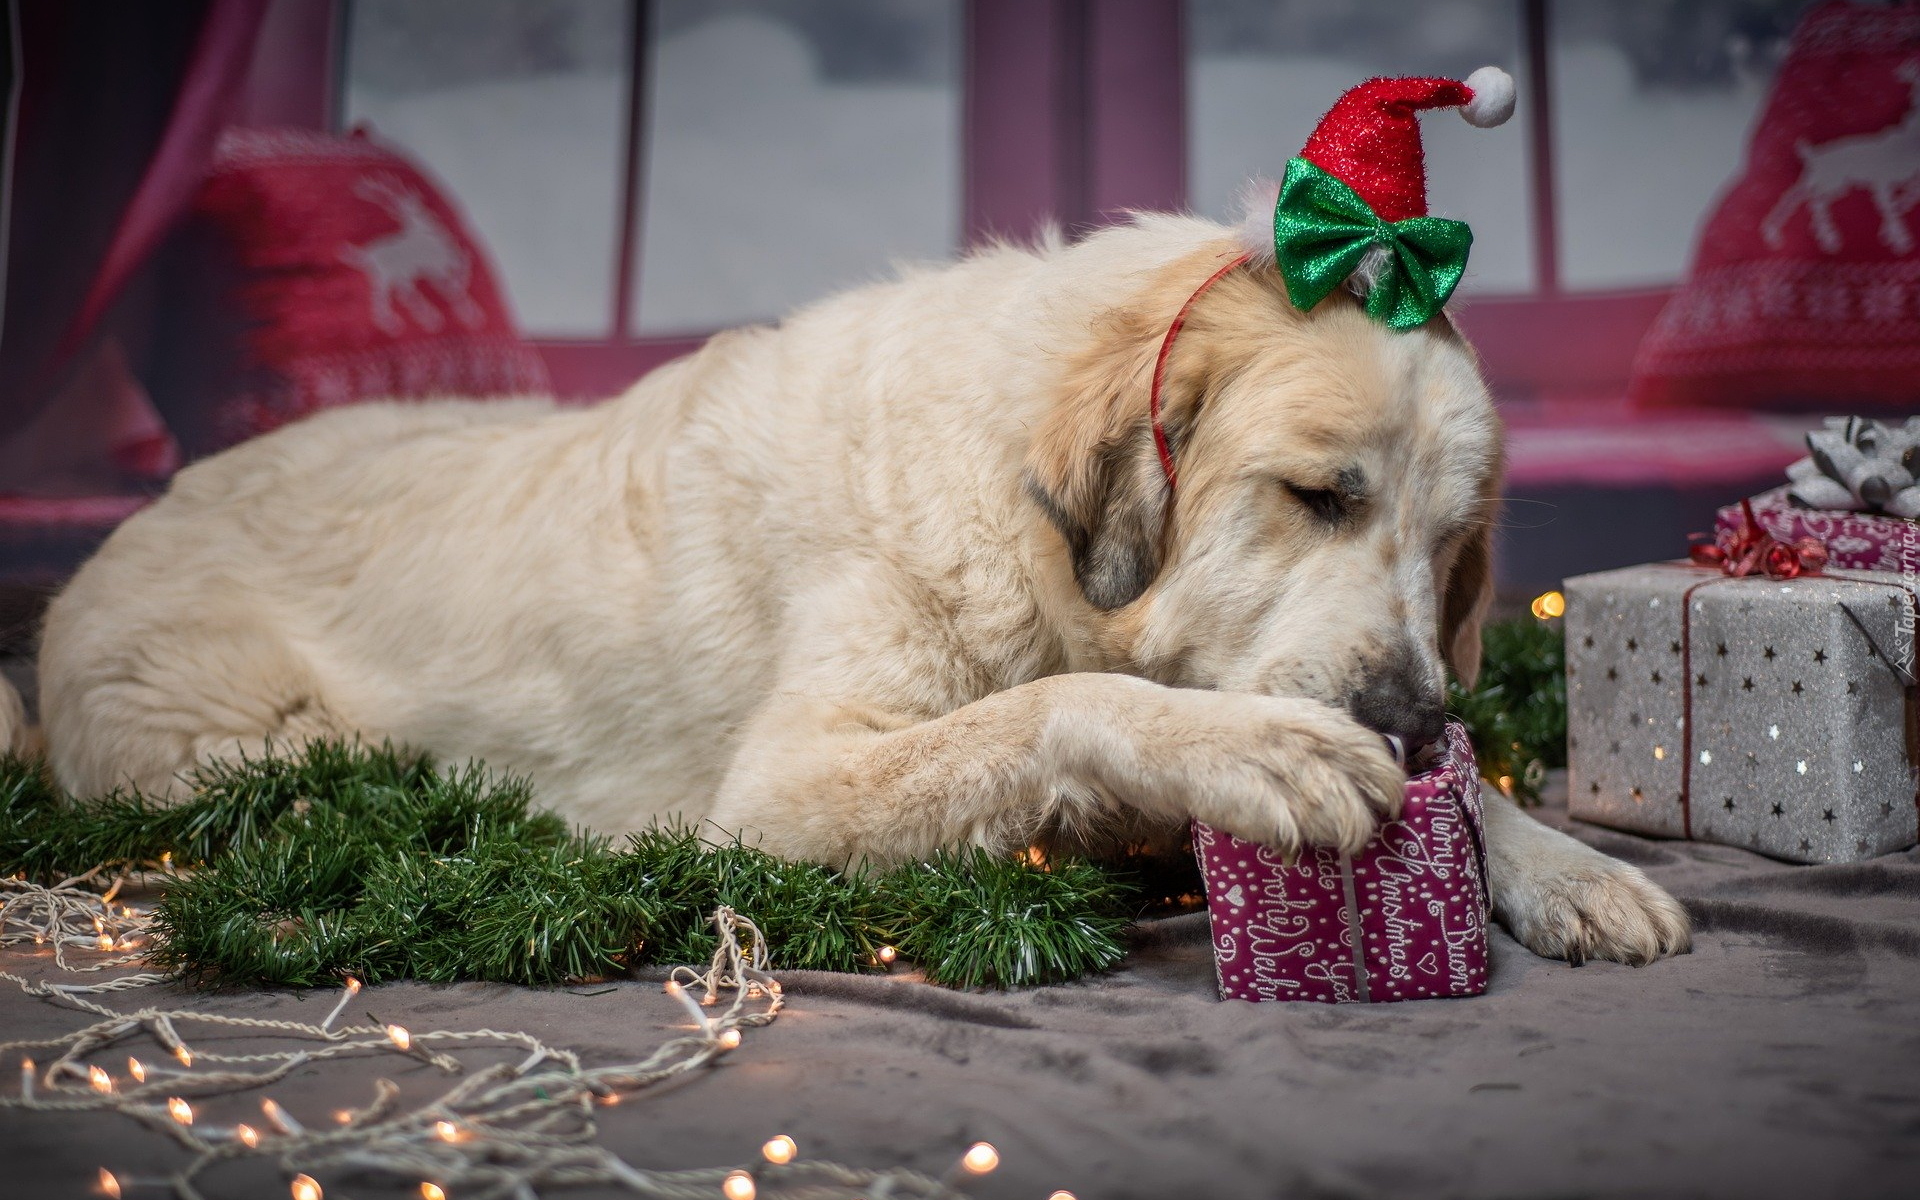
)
(1322, 229)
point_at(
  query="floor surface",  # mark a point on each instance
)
(1780, 1059)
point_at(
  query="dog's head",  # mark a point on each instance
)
(1329, 535)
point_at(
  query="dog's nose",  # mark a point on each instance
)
(1395, 705)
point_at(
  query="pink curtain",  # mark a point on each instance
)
(117, 106)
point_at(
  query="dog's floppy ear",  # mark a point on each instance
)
(1092, 466)
(1463, 610)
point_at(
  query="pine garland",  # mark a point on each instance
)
(1517, 711)
(297, 870)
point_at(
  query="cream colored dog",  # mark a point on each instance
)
(900, 573)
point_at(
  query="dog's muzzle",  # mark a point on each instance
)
(1401, 704)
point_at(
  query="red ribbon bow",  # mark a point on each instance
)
(1751, 550)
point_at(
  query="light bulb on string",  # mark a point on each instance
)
(246, 1135)
(26, 1079)
(305, 1187)
(1062, 1194)
(448, 1132)
(99, 1080)
(679, 993)
(779, 1150)
(347, 993)
(281, 1119)
(738, 1185)
(184, 1055)
(980, 1158)
(137, 1069)
(432, 1191)
(730, 1040)
(109, 1186)
(180, 1110)
(886, 955)
(399, 1036)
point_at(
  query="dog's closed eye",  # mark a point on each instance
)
(1326, 504)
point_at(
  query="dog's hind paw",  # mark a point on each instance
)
(1595, 907)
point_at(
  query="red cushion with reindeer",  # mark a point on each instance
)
(357, 280)
(1805, 289)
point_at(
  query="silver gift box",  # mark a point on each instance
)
(1775, 715)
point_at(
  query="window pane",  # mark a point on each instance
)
(793, 147)
(1652, 106)
(1260, 73)
(519, 106)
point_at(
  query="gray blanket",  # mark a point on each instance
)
(1780, 1058)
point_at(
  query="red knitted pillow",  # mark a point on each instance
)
(358, 280)
(1805, 289)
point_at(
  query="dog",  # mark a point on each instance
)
(900, 573)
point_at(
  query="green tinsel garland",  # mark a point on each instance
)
(298, 870)
(1517, 711)
(344, 860)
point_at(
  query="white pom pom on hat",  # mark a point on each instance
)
(1493, 98)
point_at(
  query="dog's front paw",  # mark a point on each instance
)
(1284, 772)
(1579, 906)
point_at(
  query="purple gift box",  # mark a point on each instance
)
(1855, 541)
(1405, 919)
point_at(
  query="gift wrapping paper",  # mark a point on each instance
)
(1858, 541)
(1776, 715)
(1405, 919)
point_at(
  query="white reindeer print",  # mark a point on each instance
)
(421, 251)
(1885, 163)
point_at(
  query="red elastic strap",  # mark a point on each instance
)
(1160, 367)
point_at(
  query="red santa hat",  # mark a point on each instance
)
(1370, 138)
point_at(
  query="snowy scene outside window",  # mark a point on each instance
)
(788, 148)
(519, 106)
(1653, 106)
(793, 149)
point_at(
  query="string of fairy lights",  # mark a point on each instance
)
(505, 1130)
